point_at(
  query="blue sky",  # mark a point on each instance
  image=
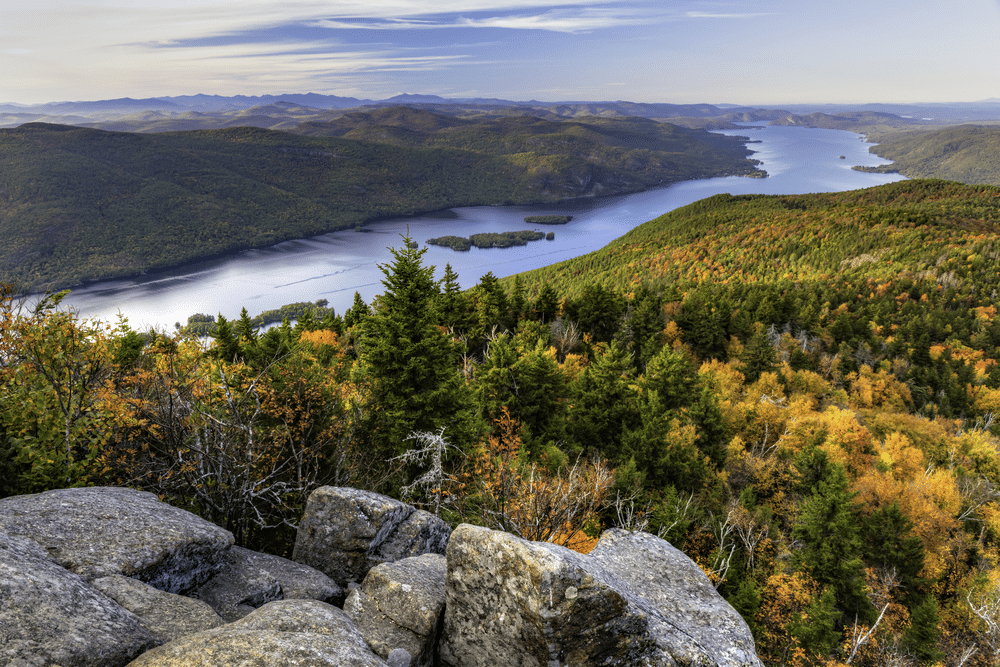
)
(683, 51)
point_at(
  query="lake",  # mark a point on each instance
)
(333, 266)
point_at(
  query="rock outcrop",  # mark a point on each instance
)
(99, 588)
(286, 632)
(100, 531)
(635, 600)
(401, 606)
(346, 532)
(167, 616)
(51, 616)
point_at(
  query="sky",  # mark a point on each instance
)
(677, 51)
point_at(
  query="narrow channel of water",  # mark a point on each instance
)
(334, 266)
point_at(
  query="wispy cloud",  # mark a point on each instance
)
(718, 15)
(570, 20)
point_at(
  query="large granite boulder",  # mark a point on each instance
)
(634, 600)
(100, 531)
(167, 615)
(50, 616)
(249, 579)
(286, 632)
(346, 532)
(401, 606)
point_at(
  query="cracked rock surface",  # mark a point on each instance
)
(346, 532)
(634, 600)
(400, 606)
(50, 616)
(99, 531)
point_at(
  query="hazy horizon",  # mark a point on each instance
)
(765, 53)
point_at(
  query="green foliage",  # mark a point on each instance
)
(409, 363)
(966, 153)
(816, 629)
(922, 636)
(828, 531)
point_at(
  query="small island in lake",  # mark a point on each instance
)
(488, 240)
(548, 219)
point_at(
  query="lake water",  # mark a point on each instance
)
(334, 266)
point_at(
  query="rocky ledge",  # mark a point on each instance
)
(111, 577)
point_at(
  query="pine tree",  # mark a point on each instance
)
(491, 304)
(759, 356)
(518, 300)
(816, 630)
(357, 313)
(891, 545)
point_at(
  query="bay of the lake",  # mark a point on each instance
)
(333, 266)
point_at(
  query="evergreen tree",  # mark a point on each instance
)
(410, 364)
(759, 356)
(673, 376)
(666, 457)
(541, 388)
(604, 403)
(357, 313)
(828, 531)
(598, 312)
(643, 326)
(451, 305)
(518, 300)
(922, 636)
(495, 383)
(491, 304)
(226, 348)
(713, 435)
(891, 545)
(547, 304)
(816, 630)
(704, 320)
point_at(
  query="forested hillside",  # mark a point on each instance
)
(966, 153)
(798, 391)
(79, 204)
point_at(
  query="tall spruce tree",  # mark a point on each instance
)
(828, 531)
(411, 365)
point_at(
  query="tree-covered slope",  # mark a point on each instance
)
(966, 153)
(81, 204)
(915, 227)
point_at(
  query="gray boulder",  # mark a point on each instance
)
(346, 532)
(287, 632)
(249, 579)
(634, 600)
(50, 616)
(167, 615)
(401, 606)
(100, 531)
